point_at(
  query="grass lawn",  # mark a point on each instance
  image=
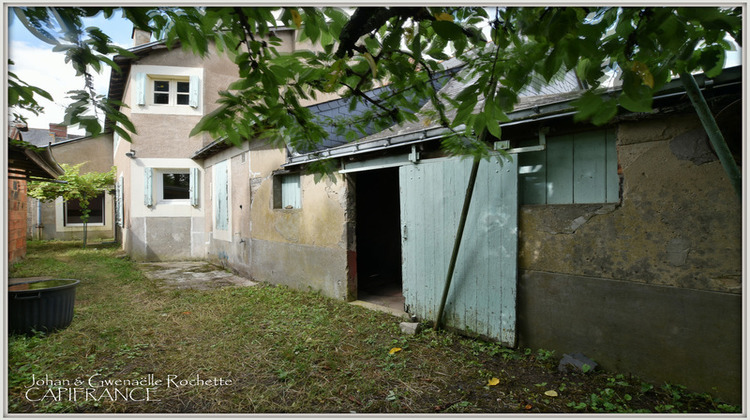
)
(272, 349)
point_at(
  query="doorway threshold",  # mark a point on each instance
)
(375, 307)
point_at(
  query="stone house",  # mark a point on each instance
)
(622, 242)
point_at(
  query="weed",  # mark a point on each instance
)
(286, 351)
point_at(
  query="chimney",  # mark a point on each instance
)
(58, 131)
(140, 37)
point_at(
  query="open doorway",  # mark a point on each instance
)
(378, 230)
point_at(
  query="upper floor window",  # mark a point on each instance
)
(167, 90)
(172, 92)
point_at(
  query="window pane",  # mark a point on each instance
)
(183, 99)
(183, 87)
(176, 186)
(161, 86)
(74, 212)
(161, 98)
(290, 192)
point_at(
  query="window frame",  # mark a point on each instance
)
(173, 93)
(281, 196)
(66, 203)
(159, 185)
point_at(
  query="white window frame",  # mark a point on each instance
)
(142, 89)
(172, 91)
(104, 213)
(159, 185)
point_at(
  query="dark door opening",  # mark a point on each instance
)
(378, 233)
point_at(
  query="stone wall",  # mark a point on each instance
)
(650, 285)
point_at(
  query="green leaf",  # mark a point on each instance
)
(448, 30)
(638, 104)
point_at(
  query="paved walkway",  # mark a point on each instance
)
(193, 275)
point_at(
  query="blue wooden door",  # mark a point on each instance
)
(482, 297)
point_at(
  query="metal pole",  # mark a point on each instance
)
(712, 129)
(457, 242)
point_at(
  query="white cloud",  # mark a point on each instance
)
(41, 67)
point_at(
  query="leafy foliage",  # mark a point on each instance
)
(404, 48)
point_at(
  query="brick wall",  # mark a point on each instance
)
(16, 219)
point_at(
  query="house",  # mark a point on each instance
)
(621, 242)
(25, 162)
(61, 220)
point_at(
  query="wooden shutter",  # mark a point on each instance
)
(148, 190)
(140, 88)
(195, 83)
(119, 206)
(221, 196)
(194, 187)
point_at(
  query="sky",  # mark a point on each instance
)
(37, 65)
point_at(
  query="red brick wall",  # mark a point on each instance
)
(16, 219)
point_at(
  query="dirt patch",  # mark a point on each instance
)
(193, 275)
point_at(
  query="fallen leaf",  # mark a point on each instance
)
(528, 406)
(551, 393)
(493, 382)
(394, 350)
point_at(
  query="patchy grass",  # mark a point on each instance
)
(267, 349)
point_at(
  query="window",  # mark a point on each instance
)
(167, 90)
(171, 92)
(173, 186)
(74, 212)
(578, 168)
(286, 191)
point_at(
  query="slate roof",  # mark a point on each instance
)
(41, 137)
(326, 113)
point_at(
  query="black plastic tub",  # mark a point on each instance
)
(41, 305)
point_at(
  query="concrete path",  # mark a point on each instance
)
(193, 275)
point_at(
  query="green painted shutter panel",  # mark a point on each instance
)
(140, 88)
(483, 293)
(148, 190)
(533, 172)
(194, 186)
(221, 196)
(589, 164)
(559, 185)
(613, 176)
(195, 82)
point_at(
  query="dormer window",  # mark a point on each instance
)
(167, 90)
(172, 92)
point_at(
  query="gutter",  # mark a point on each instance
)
(548, 111)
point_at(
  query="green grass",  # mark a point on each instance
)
(284, 351)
